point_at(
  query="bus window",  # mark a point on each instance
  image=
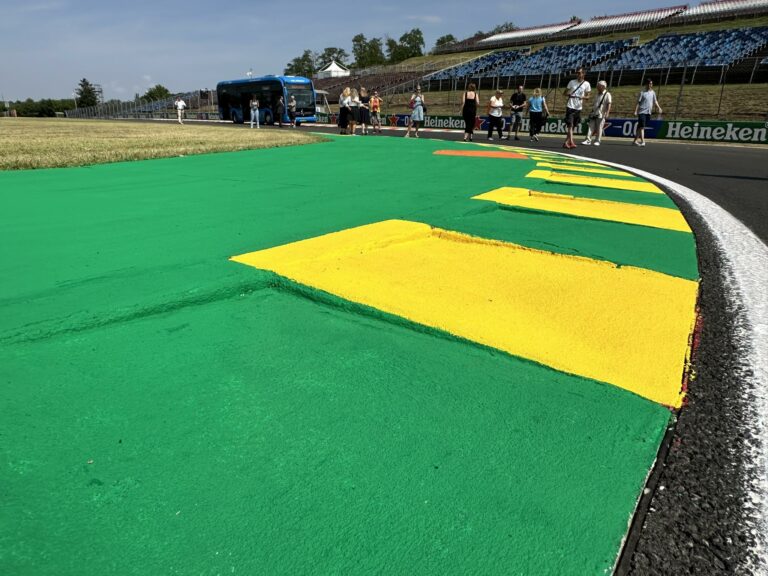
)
(305, 99)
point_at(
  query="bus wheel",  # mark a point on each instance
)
(267, 118)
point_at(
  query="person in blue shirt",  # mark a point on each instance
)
(643, 109)
(537, 112)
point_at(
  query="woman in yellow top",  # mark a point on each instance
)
(375, 106)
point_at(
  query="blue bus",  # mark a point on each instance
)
(235, 95)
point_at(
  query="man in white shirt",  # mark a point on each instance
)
(600, 111)
(577, 91)
(180, 105)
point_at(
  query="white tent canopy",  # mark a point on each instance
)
(333, 70)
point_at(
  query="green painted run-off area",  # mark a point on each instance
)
(166, 411)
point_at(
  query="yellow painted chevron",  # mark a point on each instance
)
(615, 183)
(653, 216)
(624, 326)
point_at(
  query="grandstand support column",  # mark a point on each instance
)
(752, 75)
(642, 78)
(693, 76)
(680, 92)
(666, 81)
(621, 73)
(610, 82)
(723, 76)
(661, 75)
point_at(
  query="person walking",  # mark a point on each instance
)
(577, 92)
(180, 105)
(537, 107)
(254, 105)
(365, 112)
(292, 110)
(600, 111)
(470, 101)
(345, 110)
(375, 107)
(496, 114)
(518, 104)
(417, 104)
(280, 110)
(643, 110)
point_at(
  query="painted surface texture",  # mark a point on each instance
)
(346, 403)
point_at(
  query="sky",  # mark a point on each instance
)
(48, 46)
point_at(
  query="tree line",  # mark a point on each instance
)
(365, 51)
(378, 51)
(85, 96)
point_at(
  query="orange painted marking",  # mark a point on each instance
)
(482, 154)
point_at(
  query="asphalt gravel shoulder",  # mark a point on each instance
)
(697, 518)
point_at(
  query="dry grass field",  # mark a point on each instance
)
(51, 143)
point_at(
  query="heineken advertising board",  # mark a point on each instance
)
(710, 131)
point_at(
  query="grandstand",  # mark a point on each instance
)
(554, 59)
(718, 48)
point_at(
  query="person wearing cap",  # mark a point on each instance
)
(496, 114)
(601, 109)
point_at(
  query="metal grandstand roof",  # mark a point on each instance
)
(525, 33)
(723, 8)
(629, 20)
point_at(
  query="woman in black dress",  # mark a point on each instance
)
(469, 103)
(365, 111)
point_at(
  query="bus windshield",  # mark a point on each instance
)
(305, 99)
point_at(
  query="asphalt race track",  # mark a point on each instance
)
(699, 515)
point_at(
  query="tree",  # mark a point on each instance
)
(367, 52)
(86, 94)
(157, 92)
(445, 40)
(304, 65)
(505, 27)
(339, 54)
(411, 44)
